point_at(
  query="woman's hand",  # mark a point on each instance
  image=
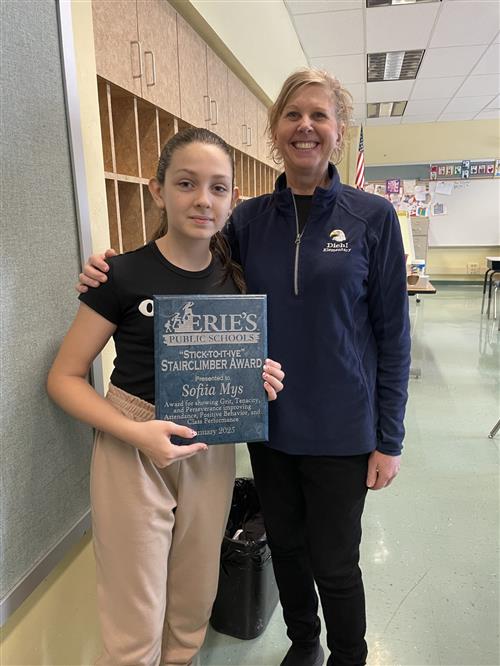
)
(153, 439)
(382, 470)
(94, 271)
(273, 378)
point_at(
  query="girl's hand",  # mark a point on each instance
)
(273, 378)
(94, 271)
(153, 439)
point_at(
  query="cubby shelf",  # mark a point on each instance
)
(133, 132)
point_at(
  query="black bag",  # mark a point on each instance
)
(247, 594)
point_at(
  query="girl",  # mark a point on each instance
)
(159, 511)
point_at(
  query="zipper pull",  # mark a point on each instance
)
(298, 239)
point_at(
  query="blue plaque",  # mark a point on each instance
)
(209, 353)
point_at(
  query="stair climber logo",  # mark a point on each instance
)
(186, 328)
(337, 242)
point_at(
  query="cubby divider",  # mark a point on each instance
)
(149, 148)
(152, 214)
(115, 235)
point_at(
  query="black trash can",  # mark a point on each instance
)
(247, 592)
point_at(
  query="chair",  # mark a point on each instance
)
(495, 429)
(492, 267)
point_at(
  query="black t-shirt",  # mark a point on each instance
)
(303, 202)
(126, 300)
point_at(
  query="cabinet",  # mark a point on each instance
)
(251, 104)
(242, 104)
(236, 105)
(217, 79)
(262, 147)
(195, 102)
(136, 48)
(158, 39)
(117, 48)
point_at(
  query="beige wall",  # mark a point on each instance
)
(57, 624)
(429, 142)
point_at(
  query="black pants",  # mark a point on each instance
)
(312, 508)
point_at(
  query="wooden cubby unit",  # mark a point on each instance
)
(133, 133)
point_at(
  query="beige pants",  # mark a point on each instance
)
(157, 570)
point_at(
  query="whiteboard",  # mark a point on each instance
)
(473, 216)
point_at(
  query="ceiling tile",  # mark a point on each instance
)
(384, 121)
(488, 114)
(348, 69)
(487, 84)
(490, 62)
(436, 88)
(311, 6)
(473, 104)
(495, 104)
(422, 118)
(359, 111)
(400, 27)
(456, 116)
(466, 22)
(388, 91)
(332, 33)
(420, 107)
(454, 61)
(357, 90)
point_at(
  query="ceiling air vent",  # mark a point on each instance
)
(394, 66)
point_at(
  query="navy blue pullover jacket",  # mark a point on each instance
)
(338, 316)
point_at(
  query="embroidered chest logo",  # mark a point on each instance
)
(337, 242)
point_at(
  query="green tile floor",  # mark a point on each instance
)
(430, 544)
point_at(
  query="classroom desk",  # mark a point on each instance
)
(416, 351)
(415, 289)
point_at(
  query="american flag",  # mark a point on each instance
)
(360, 164)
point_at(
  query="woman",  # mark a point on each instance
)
(159, 511)
(330, 259)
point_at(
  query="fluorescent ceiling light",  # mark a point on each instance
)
(385, 3)
(394, 65)
(385, 109)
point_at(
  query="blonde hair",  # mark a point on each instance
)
(341, 98)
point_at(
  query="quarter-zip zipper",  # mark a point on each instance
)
(298, 238)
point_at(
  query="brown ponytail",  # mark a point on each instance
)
(219, 247)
